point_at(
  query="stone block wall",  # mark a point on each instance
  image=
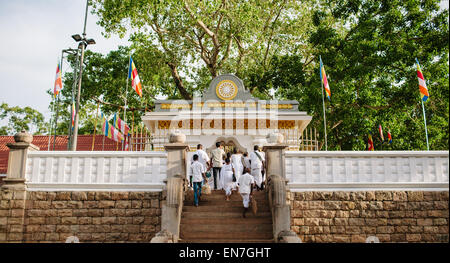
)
(90, 216)
(391, 216)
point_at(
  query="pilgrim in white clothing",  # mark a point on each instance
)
(236, 161)
(245, 183)
(226, 176)
(256, 166)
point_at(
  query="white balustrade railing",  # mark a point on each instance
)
(90, 171)
(363, 170)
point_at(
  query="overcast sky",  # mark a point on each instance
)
(33, 33)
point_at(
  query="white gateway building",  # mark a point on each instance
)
(226, 113)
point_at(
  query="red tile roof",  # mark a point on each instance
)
(84, 144)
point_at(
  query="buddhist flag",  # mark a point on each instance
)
(127, 139)
(135, 81)
(381, 132)
(111, 132)
(422, 85)
(115, 134)
(106, 127)
(389, 137)
(58, 81)
(121, 125)
(370, 143)
(73, 113)
(323, 76)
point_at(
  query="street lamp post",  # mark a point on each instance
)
(83, 44)
(67, 51)
(72, 120)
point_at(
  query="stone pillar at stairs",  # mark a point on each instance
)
(276, 178)
(17, 160)
(175, 185)
(14, 189)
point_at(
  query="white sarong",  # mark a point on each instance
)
(226, 177)
(256, 172)
(245, 199)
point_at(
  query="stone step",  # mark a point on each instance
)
(190, 234)
(231, 203)
(221, 228)
(204, 208)
(225, 215)
(220, 192)
(227, 221)
(236, 241)
(222, 197)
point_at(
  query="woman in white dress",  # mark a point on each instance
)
(236, 161)
(226, 176)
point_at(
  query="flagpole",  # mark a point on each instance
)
(324, 117)
(425, 121)
(51, 118)
(56, 120)
(103, 143)
(95, 127)
(424, 117)
(75, 77)
(57, 99)
(126, 93)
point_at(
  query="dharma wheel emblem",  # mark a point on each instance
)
(226, 90)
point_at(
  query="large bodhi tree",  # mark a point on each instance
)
(368, 48)
(227, 36)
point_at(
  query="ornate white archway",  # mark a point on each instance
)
(226, 140)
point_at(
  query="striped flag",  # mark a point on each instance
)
(370, 142)
(116, 134)
(127, 148)
(323, 77)
(58, 81)
(73, 113)
(389, 136)
(111, 132)
(135, 81)
(381, 132)
(106, 128)
(422, 85)
(121, 125)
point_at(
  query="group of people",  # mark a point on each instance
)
(229, 172)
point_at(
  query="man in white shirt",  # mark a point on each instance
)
(217, 157)
(198, 174)
(257, 159)
(203, 157)
(245, 183)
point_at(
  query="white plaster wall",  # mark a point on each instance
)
(366, 170)
(67, 170)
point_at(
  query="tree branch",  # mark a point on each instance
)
(120, 106)
(271, 33)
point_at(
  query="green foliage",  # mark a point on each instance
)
(19, 119)
(368, 48)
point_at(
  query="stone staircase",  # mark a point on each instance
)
(216, 220)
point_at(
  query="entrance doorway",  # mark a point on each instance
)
(228, 143)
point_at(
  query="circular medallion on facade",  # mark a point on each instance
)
(226, 89)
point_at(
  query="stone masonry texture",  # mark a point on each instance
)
(90, 216)
(391, 216)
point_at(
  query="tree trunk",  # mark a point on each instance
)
(179, 82)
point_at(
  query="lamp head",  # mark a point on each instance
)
(76, 37)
